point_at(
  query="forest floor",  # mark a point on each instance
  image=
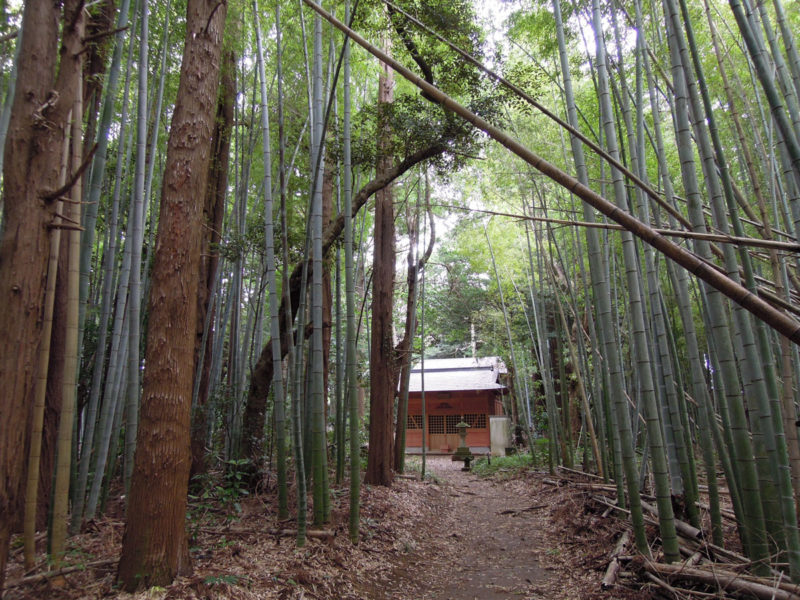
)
(454, 536)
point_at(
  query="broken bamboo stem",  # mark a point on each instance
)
(610, 578)
(725, 581)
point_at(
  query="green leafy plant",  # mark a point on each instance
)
(212, 490)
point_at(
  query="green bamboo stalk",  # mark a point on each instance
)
(788, 43)
(767, 80)
(70, 383)
(350, 305)
(622, 437)
(752, 519)
(317, 393)
(541, 340)
(269, 235)
(292, 388)
(517, 372)
(762, 376)
(680, 286)
(640, 347)
(136, 216)
(685, 473)
(95, 185)
(40, 390)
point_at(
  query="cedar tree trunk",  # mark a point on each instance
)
(44, 96)
(154, 548)
(382, 357)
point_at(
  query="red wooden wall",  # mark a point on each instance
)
(467, 402)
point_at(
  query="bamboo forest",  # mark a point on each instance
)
(400, 299)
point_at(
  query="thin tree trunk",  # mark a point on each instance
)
(403, 348)
(70, 381)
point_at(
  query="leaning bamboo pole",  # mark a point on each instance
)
(571, 127)
(780, 322)
(37, 425)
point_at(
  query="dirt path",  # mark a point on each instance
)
(454, 536)
(483, 542)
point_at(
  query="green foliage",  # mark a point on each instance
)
(527, 77)
(224, 489)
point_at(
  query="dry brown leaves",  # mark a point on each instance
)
(455, 537)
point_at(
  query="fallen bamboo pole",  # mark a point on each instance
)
(682, 527)
(782, 323)
(724, 580)
(610, 578)
(106, 562)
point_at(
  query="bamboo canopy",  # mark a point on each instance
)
(779, 321)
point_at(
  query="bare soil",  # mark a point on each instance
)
(453, 536)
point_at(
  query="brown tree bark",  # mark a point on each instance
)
(383, 379)
(43, 99)
(213, 213)
(98, 44)
(154, 547)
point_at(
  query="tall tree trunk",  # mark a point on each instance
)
(381, 363)
(31, 168)
(154, 547)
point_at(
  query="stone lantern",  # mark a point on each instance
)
(462, 451)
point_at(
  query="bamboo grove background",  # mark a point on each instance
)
(352, 225)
